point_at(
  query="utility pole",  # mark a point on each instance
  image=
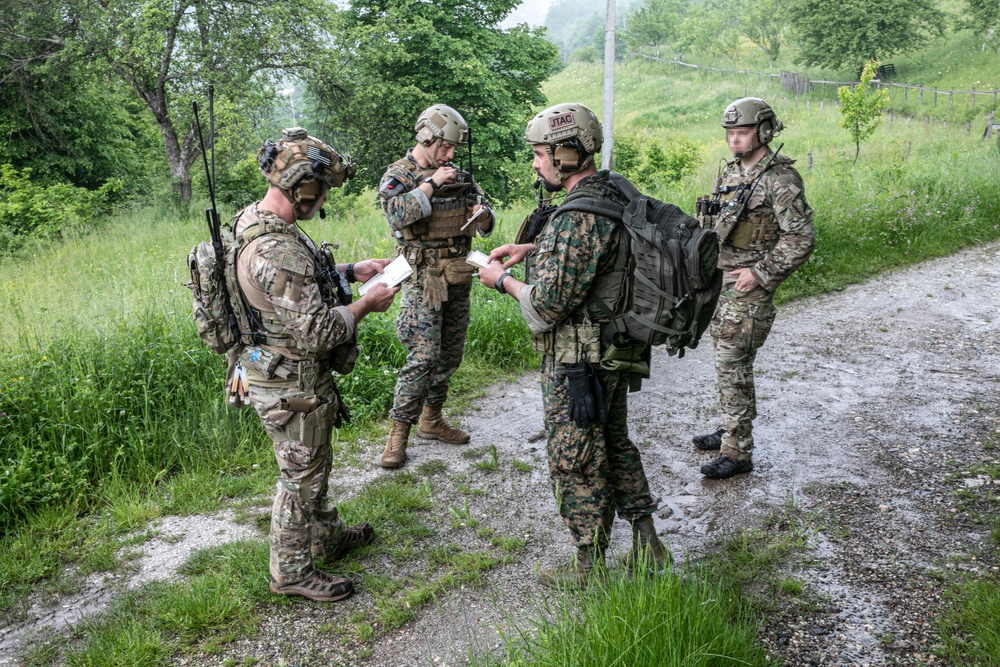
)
(609, 86)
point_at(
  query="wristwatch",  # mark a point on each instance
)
(430, 181)
(499, 283)
(349, 273)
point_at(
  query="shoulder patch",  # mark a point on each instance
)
(391, 187)
(786, 197)
(293, 263)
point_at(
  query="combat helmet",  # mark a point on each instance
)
(298, 164)
(572, 133)
(748, 111)
(442, 122)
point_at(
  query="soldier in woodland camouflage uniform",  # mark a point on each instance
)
(429, 205)
(299, 331)
(771, 238)
(580, 288)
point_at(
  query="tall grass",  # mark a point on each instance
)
(672, 620)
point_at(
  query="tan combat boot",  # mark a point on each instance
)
(586, 566)
(647, 549)
(395, 446)
(432, 426)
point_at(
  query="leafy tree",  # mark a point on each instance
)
(60, 116)
(653, 23)
(983, 16)
(763, 23)
(850, 32)
(564, 19)
(396, 59)
(862, 107)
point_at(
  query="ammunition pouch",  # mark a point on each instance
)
(344, 357)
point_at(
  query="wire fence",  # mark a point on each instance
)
(800, 83)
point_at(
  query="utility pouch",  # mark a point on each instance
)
(457, 271)
(262, 362)
(574, 343)
(626, 356)
(344, 357)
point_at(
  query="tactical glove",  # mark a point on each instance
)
(586, 394)
(435, 287)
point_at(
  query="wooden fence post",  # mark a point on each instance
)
(807, 105)
(907, 121)
(951, 100)
(921, 93)
(972, 104)
(821, 105)
(994, 98)
(968, 127)
(927, 121)
(809, 155)
(890, 119)
(935, 96)
(909, 144)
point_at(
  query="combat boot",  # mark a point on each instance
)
(709, 441)
(318, 585)
(586, 566)
(723, 467)
(395, 446)
(355, 536)
(647, 549)
(433, 426)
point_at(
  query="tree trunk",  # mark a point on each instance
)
(180, 176)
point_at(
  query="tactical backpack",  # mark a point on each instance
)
(676, 279)
(212, 309)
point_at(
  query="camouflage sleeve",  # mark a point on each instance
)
(403, 203)
(565, 264)
(786, 194)
(286, 273)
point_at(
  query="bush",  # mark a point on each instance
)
(30, 211)
(585, 54)
(658, 164)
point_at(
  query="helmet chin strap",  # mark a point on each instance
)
(432, 158)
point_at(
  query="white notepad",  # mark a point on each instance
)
(394, 273)
(477, 258)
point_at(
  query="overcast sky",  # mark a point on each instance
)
(531, 12)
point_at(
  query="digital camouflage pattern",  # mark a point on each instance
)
(277, 272)
(595, 470)
(432, 325)
(781, 241)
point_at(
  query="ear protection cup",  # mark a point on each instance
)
(765, 131)
(307, 192)
(566, 158)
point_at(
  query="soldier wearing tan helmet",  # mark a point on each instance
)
(434, 211)
(770, 238)
(299, 327)
(579, 289)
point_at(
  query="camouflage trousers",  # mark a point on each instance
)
(302, 518)
(435, 343)
(595, 470)
(741, 324)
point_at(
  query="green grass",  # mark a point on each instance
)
(970, 630)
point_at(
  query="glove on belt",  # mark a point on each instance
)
(586, 394)
(435, 287)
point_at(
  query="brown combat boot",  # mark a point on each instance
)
(432, 426)
(647, 549)
(586, 566)
(395, 446)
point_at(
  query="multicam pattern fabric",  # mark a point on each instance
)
(302, 518)
(277, 273)
(595, 470)
(433, 333)
(743, 319)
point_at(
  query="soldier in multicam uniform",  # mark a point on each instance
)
(579, 290)
(771, 237)
(430, 206)
(298, 331)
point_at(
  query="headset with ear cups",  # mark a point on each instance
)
(568, 157)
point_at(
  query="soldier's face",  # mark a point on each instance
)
(742, 140)
(446, 153)
(307, 213)
(542, 164)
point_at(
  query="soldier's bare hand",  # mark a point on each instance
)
(379, 297)
(488, 276)
(445, 175)
(369, 268)
(515, 252)
(745, 281)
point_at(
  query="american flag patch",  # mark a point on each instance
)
(318, 155)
